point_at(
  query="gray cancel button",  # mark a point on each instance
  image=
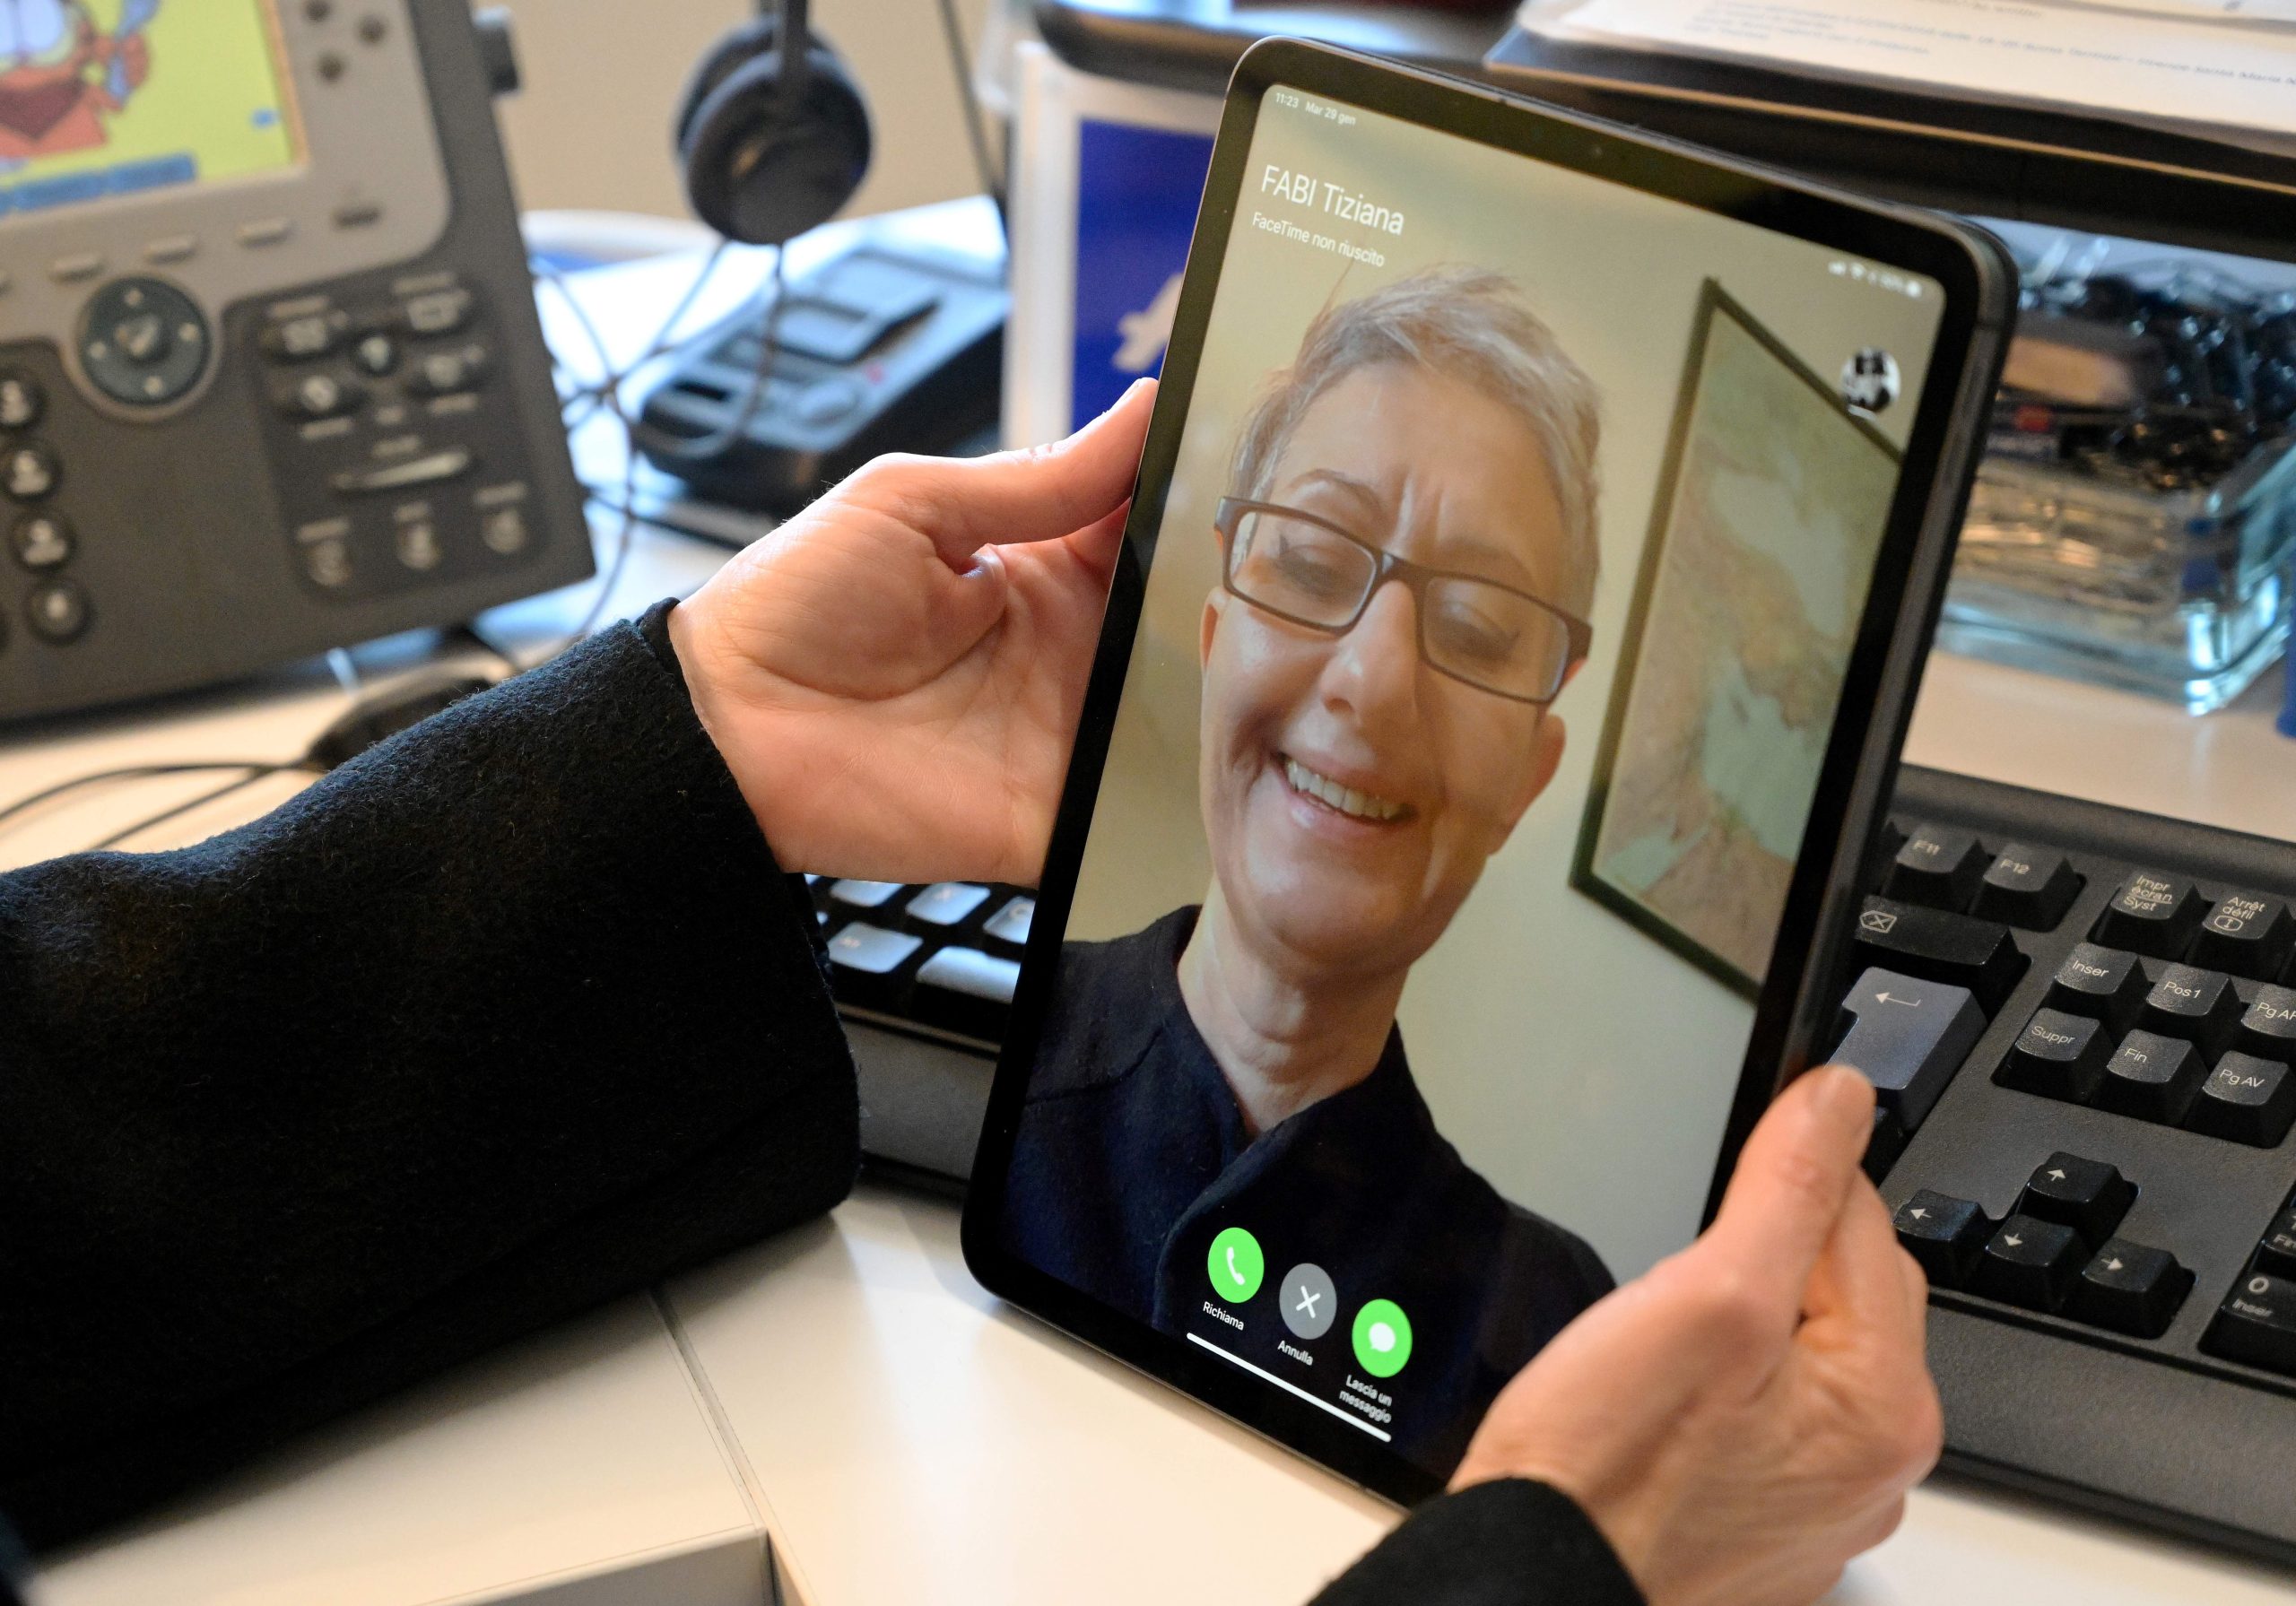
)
(1310, 1304)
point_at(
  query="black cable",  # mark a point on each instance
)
(132, 771)
(257, 774)
(607, 397)
(976, 127)
(683, 449)
(664, 341)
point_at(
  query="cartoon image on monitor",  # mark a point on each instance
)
(102, 97)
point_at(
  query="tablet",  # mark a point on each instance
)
(1537, 537)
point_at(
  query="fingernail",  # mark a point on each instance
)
(1844, 1094)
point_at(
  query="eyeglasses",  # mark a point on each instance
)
(1310, 572)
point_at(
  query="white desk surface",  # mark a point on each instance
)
(849, 1395)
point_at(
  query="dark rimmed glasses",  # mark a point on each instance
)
(1309, 571)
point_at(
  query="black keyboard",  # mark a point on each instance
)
(2083, 1023)
(924, 978)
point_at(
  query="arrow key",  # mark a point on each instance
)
(2087, 1195)
(2029, 1262)
(1945, 1234)
(2130, 1288)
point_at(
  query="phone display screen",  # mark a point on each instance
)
(109, 98)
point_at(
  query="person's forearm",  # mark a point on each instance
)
(1507, 1542)
(512, 1015)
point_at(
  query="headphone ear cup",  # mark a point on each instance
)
(761, 172)
(736, 50)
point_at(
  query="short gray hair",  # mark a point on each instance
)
(1465, 323)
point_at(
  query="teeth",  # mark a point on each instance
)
(1347, 800)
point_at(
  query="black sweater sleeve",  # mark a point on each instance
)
(1509, 1542)
(511, 1016)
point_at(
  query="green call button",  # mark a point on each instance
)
(1382, 1338)
(1236, 1265)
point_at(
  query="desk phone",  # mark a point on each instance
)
(271, 375)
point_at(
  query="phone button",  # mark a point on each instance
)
(1236, 1265)
(1382, 1338)
(1310, 1304)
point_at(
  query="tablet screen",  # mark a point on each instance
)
(1495, 627)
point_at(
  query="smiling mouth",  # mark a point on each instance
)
(1345, 800)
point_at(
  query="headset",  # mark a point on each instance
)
(772, 134)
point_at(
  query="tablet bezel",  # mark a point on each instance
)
(1884, 664)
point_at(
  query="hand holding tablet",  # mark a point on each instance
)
(1748, 1415)
(1519, 612)
(893, 675)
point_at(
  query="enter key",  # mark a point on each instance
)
(1908, 1037)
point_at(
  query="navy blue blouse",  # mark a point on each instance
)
(1132, 1155)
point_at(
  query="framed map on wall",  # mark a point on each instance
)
(1776, 493)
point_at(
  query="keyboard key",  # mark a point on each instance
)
(2246, 1099)
(2028, 1262)
(2257, 1323)
(2058, 1057)
(2101, 983)
(2247, 935)
(2268, 1028)
(1007, 930)
(1909, 1037)
(2152, 1078)
(2030, 887)
(1937, 867)
(1943, 1233)
(940, 909)
(965, 990)
(1953, 948)
(2152, 914)
(2130, 1288)
(864, 895)
(2276, 1251)
(867, 965)
(2192, 1003)
(2087, 1195)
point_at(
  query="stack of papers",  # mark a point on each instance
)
(2219, 69)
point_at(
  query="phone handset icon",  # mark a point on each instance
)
(1235, 1265)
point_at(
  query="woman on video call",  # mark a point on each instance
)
(1409, 557)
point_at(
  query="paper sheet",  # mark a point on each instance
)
(2193, 65)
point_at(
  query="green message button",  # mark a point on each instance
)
(1382, 1338)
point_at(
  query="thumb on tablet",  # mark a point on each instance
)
(1033, 494)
